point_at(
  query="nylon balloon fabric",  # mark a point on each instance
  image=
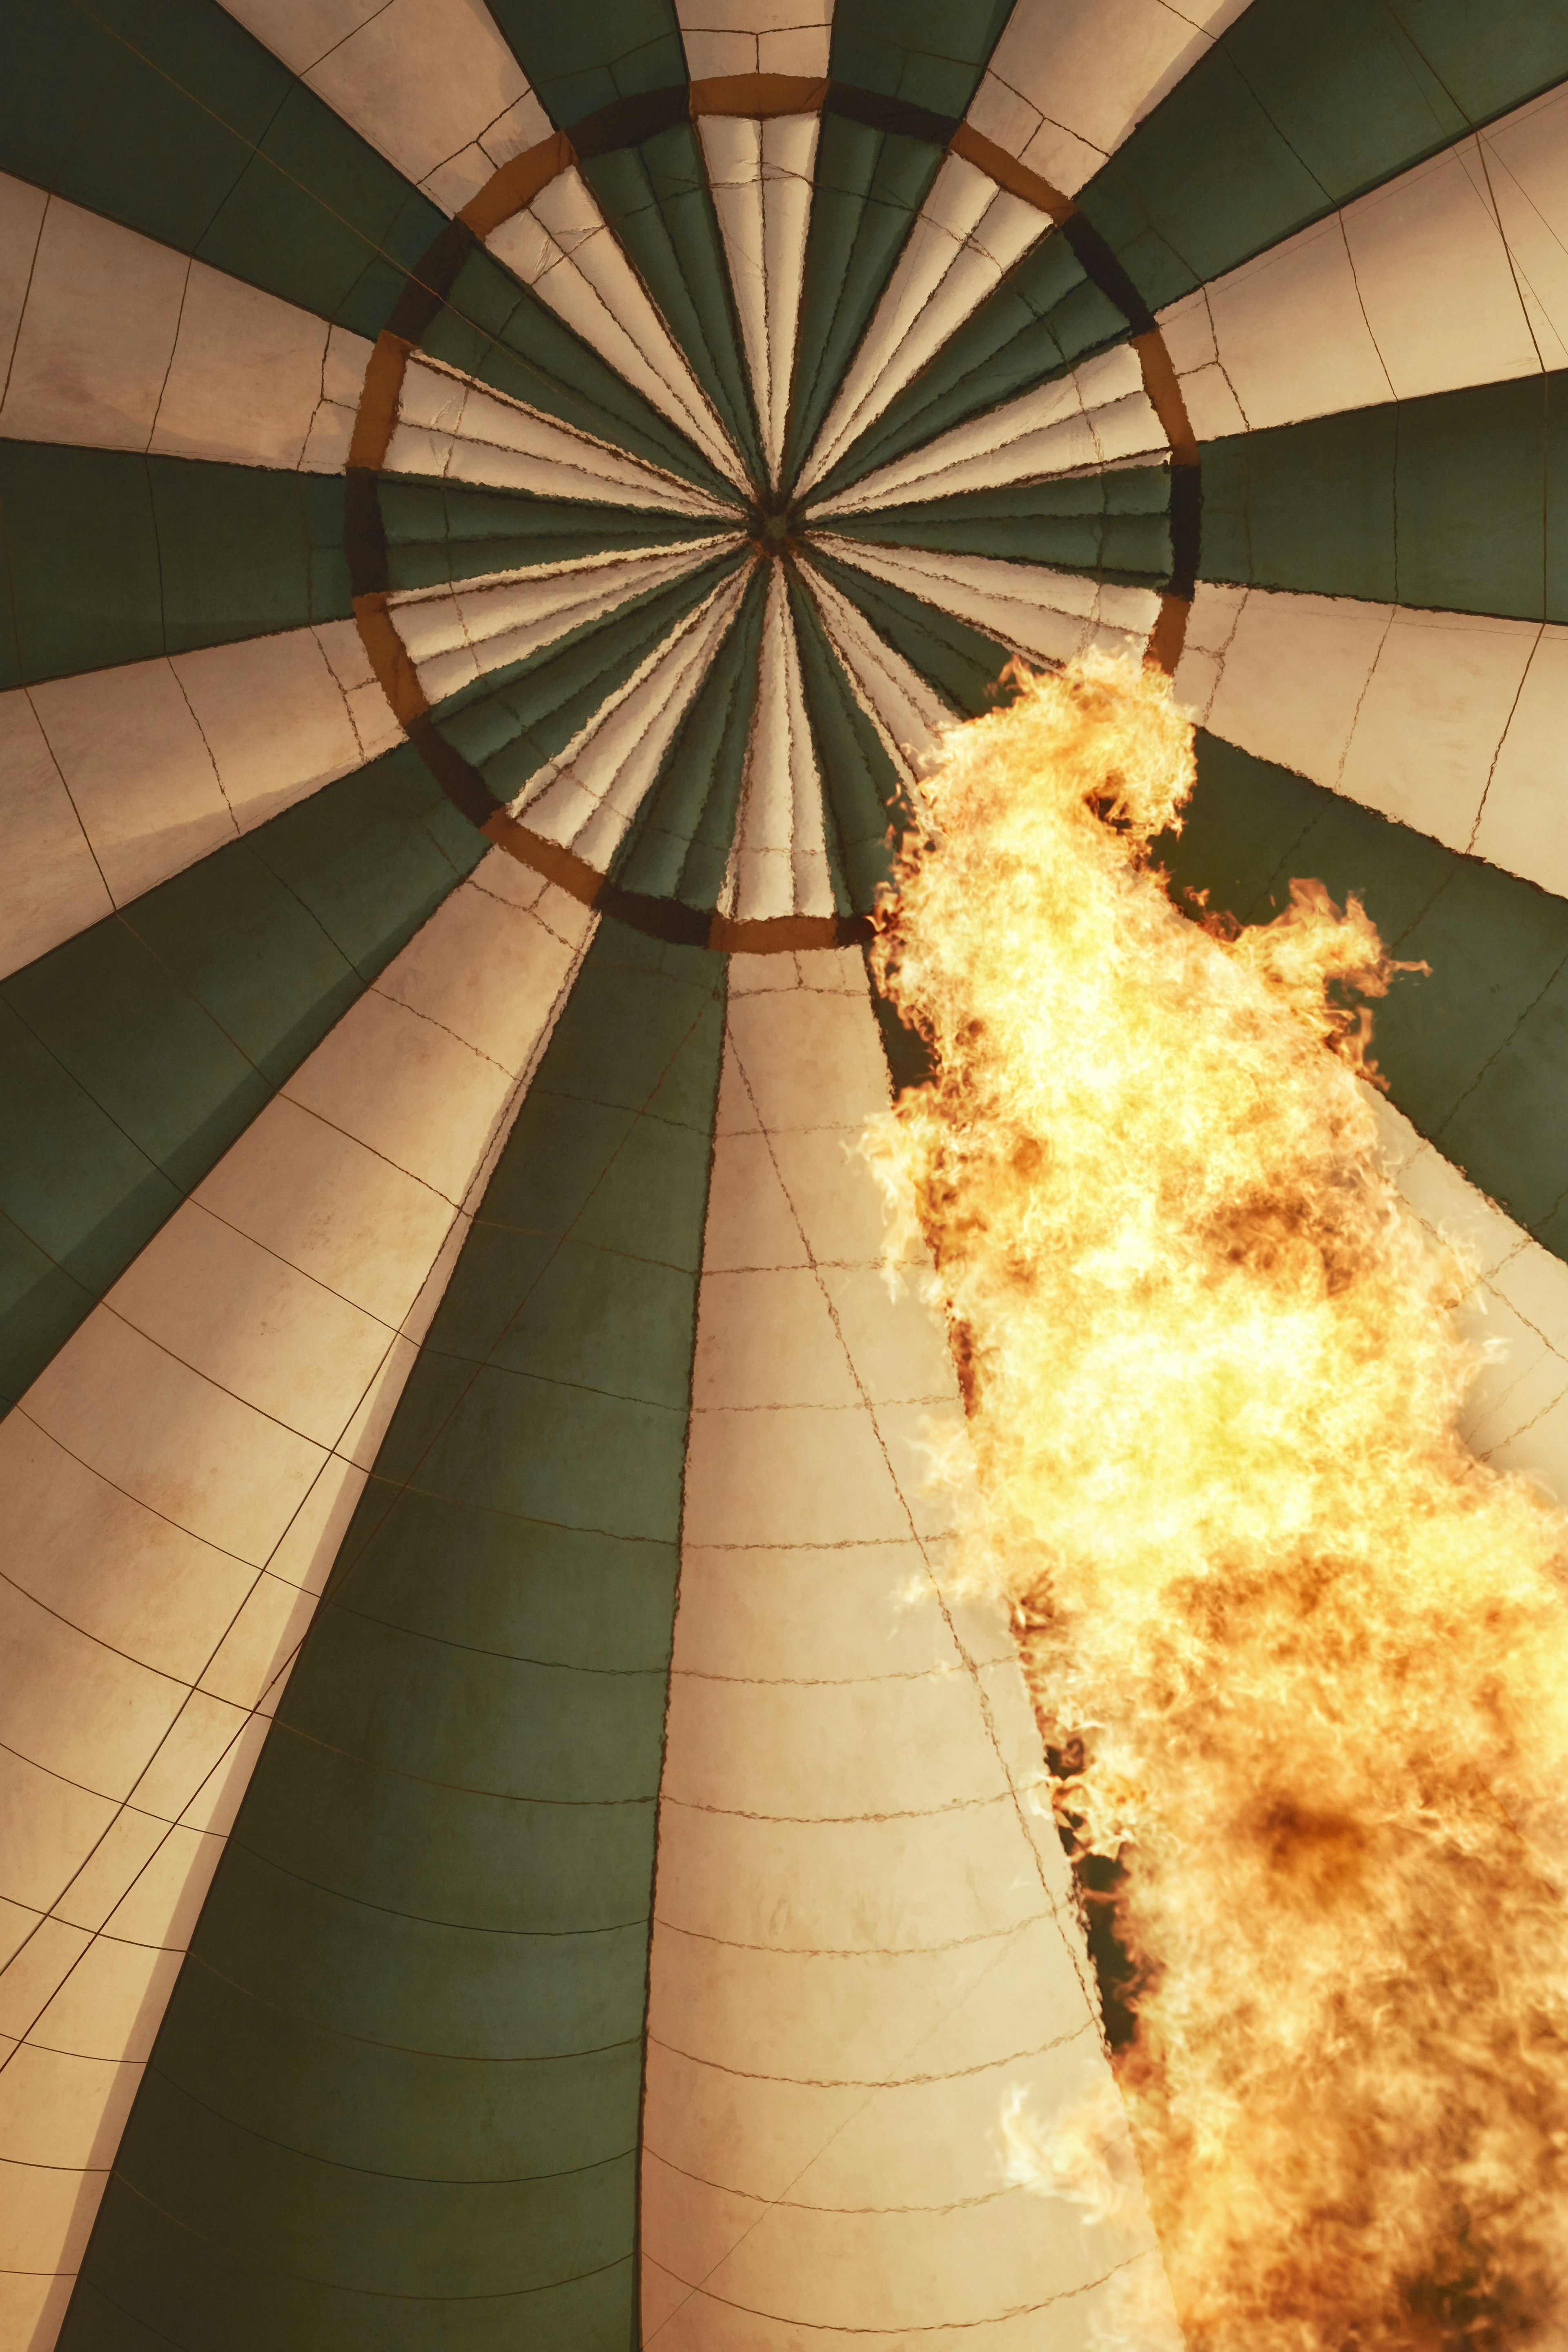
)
(517, 1826)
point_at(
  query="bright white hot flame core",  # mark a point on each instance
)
(1315, 1652)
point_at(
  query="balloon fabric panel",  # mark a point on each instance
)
(516, 1838)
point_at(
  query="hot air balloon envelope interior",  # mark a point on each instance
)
(785, 1335)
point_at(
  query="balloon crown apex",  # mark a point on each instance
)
(775, 521)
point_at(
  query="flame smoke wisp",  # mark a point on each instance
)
(1301, 1659)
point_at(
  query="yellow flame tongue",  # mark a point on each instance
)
(1317, 1655)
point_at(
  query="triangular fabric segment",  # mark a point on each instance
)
(1449, 722)
(1043, 615)
(587, 798)
(439, 93)
(678, 843)
(123, 343)
(581, 61)
(1434, 502)
(761, 175)
(448, 530)
(117, 557)
(561, 245)
(1098, 414)
(1116, 524)
(969, 232)
(458, 636)
(516, 718)
(835, 1704)
(121, 778)
(958, 660)
(866, 805)
(432, 1918)
(459, 431)
(1470, 1052)
(139, 1051)
(778, 865)
(910, 713)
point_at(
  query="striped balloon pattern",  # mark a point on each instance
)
(513, 1838)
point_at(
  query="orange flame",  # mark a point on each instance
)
(1301, 1661)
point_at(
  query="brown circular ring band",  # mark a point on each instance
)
(512, 187)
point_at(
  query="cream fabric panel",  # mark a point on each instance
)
(1043, 615)
(969, 232)
(430, 82)
(1100, 414)
(562, 248)
(1069, 78)
(113, 781)
(1454, 274)
(760, 174)
(1517, 1416)
(778, 862)
(745, 37)
(176, 1486)
(108, 341)
(906, 710)
(586, 798)
(863, 1935)
(1450, 722)
(455, 635)
(459, 431)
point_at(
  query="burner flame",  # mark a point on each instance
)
(1299, 1658)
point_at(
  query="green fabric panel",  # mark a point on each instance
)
(147, 113)
(1115, 526)
(1301, 105)
(135, 1054)
(410, 2113)
(587, 1600)
(1459, 502)
(1042, 319)
(656, 198)
(143, 2249)
(381, 2235)
(1481, 492)
(678, 844)
(395, 2098)
(83, 588)
(865, 804)
(114, 557)
(1300, 506)
(321, 216)
(579, 59)
(963, 665)
(492, 328)
(868, 187)
(1488, 66)
(911, 1060)
(927, 52)
(244, 552)
(447, 531)
(168, 116)
(1476, 1053)
(509, 722)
